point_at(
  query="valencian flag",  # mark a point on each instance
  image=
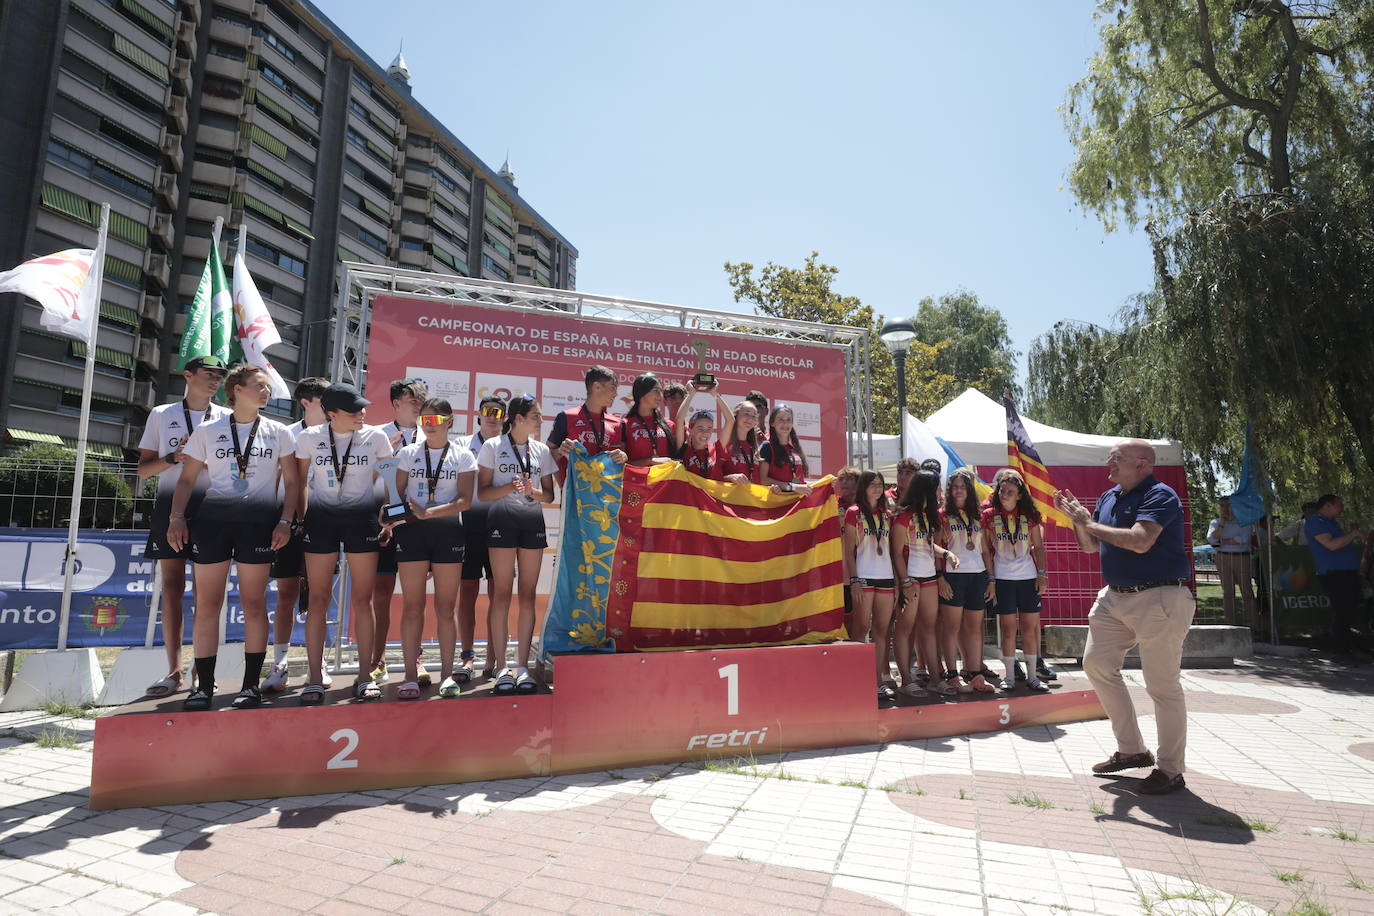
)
(576, 620)
(705, 564)
(1022, 456)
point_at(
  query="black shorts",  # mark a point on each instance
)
(290, 560)
(355, 529)
(216, 539)
(516, 525)
(157, 547)
(1017, 596)
(386, 554)
(970, 590)
(435, 540)
(476, 561)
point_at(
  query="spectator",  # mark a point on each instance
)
(1232, 542)
(760, 402)
(1295, 533)
(906, 469)
(1338, 565)
(674, 393)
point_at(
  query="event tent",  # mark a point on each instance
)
(975, 426)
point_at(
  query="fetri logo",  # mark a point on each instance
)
(735, 738)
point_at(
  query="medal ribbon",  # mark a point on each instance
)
(339, 470)
(243, 455)
(432, 473)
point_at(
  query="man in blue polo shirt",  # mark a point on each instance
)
(1338, 566)
(1138, 530)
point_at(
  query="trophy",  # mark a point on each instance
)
(396, 508)
(703, 380)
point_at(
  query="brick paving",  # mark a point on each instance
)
(1278, 818)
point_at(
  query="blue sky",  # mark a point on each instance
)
(918, 146)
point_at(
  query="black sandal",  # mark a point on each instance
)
(196, 701)
(248, 698)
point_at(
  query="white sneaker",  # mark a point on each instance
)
(277, 680)
(325, 680)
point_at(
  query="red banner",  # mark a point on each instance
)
(466, 352)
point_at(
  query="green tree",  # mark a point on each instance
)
(37, 482)
(806, 294)
(975, 347)
(1239, 130)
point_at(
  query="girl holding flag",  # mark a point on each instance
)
(737, 451)
(784, 462)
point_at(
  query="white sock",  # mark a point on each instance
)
(1009, 663)
(1032, 666)
(279, 652)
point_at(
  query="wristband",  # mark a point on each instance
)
(863, 583)
(284, 521)
(178, 516)
(907, 581)
(170, 458)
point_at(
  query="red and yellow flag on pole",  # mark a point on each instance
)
(705, 564)
(1022, 456)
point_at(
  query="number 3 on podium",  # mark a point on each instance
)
(731, 675)
(341, 760)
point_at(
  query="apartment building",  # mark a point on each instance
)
(261, 112)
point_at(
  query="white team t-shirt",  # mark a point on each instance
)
(164, 431)
(357, 453)
(920, 556)
(871, 559)
(961, 532)
(400, 437)
(213, 444)
(458, 460)
(496, 454)
(1011, 557)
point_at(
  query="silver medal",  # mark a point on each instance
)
(240, 485)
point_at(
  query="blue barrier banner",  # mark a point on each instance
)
(111, 591)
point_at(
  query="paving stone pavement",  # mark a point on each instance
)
(1278, 818)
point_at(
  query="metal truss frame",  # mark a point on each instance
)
(360, 282)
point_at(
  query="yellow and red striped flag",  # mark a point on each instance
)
(1022, 456)
(706, 564)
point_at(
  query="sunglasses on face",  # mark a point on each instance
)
(492, 410)
(433, 420)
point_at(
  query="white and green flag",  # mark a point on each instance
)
(209, 324)
(254, 329)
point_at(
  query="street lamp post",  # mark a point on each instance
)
(897, 337)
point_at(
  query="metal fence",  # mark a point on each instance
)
(36, 492)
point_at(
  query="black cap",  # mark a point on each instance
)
(342, 397)
(208, 361)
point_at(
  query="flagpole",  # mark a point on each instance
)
(69, 567)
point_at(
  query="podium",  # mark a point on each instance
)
(606, 711)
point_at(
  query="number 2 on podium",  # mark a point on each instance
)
(341, 761)
(731, 675)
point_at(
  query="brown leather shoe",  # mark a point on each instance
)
(1160, 783)
(1119, 761)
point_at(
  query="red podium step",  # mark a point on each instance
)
(606, 711)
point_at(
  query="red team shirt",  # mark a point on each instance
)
(735, 458)
(596, 433)
(703, 463)
(789, 469)
(646, 439)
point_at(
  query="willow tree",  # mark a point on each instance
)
(1238, 131)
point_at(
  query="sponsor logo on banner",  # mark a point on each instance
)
(733, 738)
(107, 613)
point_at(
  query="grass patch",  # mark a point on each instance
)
(733, 765)
(398, 860)
(1306, 906)
(1358, 885)
(1029, 800)
(1289, 877)
(787, 777)
(965, 795)
(1095, 808)
(853, 783)
(822, 782)
(58, 737)
(65, 710)
(1344, 835)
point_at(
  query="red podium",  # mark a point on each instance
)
(605, 711)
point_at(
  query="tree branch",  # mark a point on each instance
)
(1204, 115)
(1208, 65)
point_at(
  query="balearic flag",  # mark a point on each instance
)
(1022, 456)
(66, 284)
(209, 322)
(702, 564)
(254, 330)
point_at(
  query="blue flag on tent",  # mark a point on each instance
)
(1254, 491)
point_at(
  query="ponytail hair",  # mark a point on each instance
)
(922, 499)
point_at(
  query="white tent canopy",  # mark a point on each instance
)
(976, 427)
